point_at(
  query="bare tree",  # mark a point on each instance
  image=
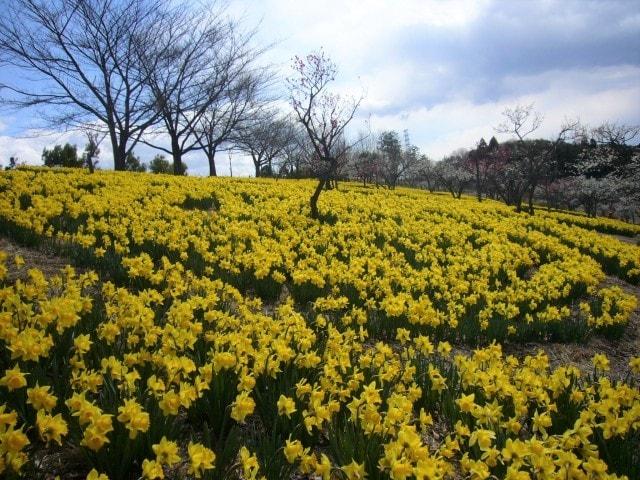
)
(452, 173)
(297, 154)
(365, 162)
(426, 173)
(80, 62)
(478, 163)
(592, 193)
(607, 149)
(323, 114)
(611, 133)
(265, 139)
(367, 166)
(226, 115)
(505, 174)
(203, 56)
(519, 167)
(610, 165)
(521, 121)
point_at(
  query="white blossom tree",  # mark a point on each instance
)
(452, 174)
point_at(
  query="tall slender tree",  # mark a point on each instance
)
(92, 149)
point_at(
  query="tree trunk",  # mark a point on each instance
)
(518, 204)
(119, 156)
(177, 163)
(211, 157)
(531, 192)
(478, 193)
(314, 198)
(89, 156)
(176, 153)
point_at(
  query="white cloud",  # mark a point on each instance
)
(351, 31)
(28, 146)
(461, 122)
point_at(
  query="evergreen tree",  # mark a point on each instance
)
(160, 164)
(62, 156)
(13, 163)
(133, 163)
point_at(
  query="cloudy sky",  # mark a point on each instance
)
(442, 70)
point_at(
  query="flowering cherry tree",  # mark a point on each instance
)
(323, 114)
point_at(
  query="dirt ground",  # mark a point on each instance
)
(624, 239)
(618, 351)
(49, 263)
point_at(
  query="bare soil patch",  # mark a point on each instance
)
(47, 261)
(623, 238)
(619, 351)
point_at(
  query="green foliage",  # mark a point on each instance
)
(62, 156)
(160, 164)
(133, 163)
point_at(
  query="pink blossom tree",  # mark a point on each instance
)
(324, 116)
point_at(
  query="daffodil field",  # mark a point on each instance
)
(210, 329)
